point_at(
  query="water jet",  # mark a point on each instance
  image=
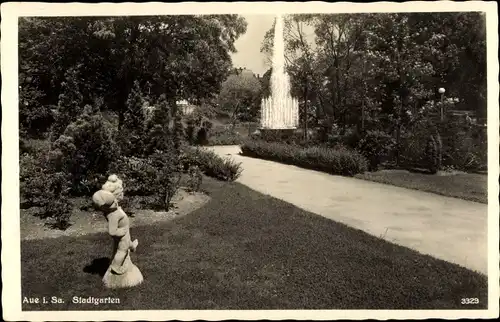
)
(279, 111)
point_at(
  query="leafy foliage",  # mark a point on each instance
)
(83, 58)
(240, 95)
(198, 127)
(465, 146)
(157, 177)
(45, 190)
(376, 146)
(138, 175)
(168, 177)
(227, 137)
(377, 72)
(78, 73)
(195, 178)
(85, 151)
(159, 128)
(35, 118)
(433, 153)
(134, 123)
(70, 103)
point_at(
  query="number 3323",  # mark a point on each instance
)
(470, 300)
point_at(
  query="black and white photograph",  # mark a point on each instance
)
(250, 160)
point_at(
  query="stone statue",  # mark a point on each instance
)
(115, 186)
(121, 272)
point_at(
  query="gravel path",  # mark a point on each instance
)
(451, 229)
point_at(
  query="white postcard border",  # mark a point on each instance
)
(11, 273)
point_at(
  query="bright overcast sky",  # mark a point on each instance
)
(248, 45)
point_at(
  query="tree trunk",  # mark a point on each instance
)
(337, 82)
(173, 124)
(305, 109)
(122, 105)
(398, 141)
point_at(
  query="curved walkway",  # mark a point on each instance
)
(451, 229)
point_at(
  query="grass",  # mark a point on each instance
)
(245, 250)
(468, 186)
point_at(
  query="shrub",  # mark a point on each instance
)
(210, 164)
(195, 178)
(45, 190)
(35, 117)
(376, 146)
(198, 130)
(59, 209)
(156, 176)
(138, 175)
(287, 136)
(160, 129)
(351, 138)
(33, 146)
(464, 146)
(134, 121)
(341, 161)
(84, 151)
(57, 205)
(167, 179)
(414, 144)
(227, 137)
(32, 180)
(70, 103)
(433, 153)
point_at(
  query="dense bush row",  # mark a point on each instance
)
(339, 160)
(423, 144)
(227, 137)
(210, 164)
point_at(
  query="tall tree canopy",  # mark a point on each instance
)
(240, 96)
(184, 56)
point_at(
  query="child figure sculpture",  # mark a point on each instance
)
(115, 186)
(121, 272)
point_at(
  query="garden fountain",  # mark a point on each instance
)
(280, 111)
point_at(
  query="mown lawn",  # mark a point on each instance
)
(468, 186)
(245, 250)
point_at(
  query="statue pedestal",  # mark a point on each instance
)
(131, 277)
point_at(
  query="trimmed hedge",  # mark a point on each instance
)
(210, 164)
(228, 138)
(339, 160)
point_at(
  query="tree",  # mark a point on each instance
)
(241, 95)
(131, 137)
(70, 103)
(84, 151)
(458, 39)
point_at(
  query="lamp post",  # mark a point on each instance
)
(442, 91)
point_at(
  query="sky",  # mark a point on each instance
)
(248, 45)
